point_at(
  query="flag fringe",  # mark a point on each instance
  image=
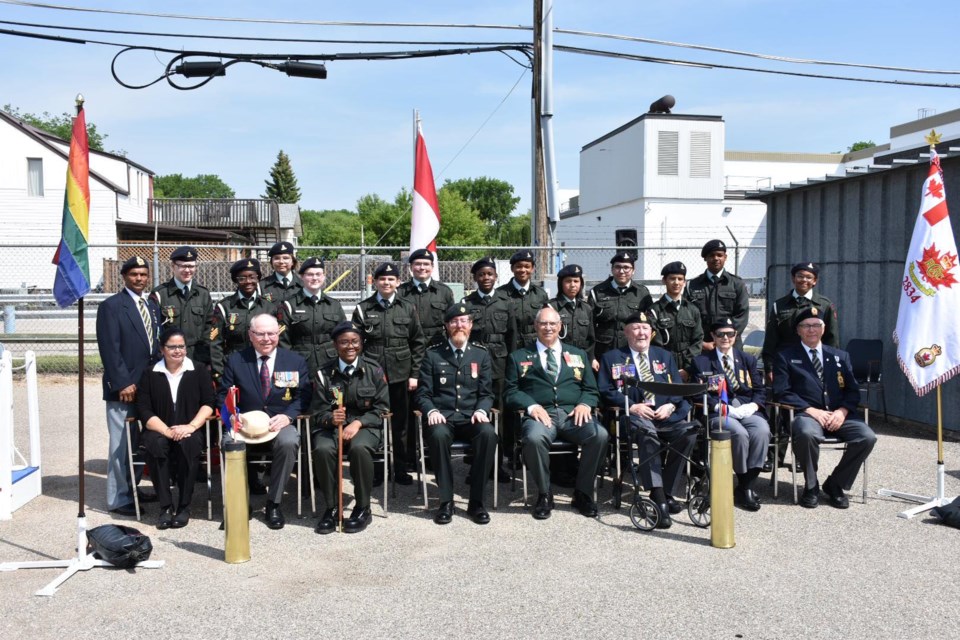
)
(930, 386)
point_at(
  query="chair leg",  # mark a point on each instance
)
(523, 465)
(793, 461)
(133, 474)
(422, 467)
(387, 462)
(313, 490)
(206, 430)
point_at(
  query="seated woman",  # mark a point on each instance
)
(174, 400)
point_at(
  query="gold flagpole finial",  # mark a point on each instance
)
(933, 138)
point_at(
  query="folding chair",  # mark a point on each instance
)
(866, 356)
(264, 458)
(557, 448)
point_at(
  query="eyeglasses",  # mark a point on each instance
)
(725, 334)
(809, 326)
(548, 324)
(623, 267)
(348, 343)
(175, 347)
(264, 334)
(185, 267)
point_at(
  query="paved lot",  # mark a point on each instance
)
(793, 573)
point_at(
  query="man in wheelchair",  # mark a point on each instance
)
(652, 418)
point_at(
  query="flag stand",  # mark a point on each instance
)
(927, 502)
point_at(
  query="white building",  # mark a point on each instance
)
(33, 172)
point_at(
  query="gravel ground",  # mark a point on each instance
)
(793, 573)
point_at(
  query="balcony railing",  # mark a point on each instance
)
(213, 213)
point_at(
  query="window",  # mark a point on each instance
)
(699, 154)
(668, 163)
(35, 177)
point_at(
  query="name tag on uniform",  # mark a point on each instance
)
(300, 311)
(796, 361)
(286, 379)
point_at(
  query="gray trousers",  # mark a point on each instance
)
(751, 439)
(653, 473)
(536, 439)
(119, 486)
(807, 436)
(283, 450)
(483, 440)
(359, 451)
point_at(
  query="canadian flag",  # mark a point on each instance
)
(927, 333)
(425, 221)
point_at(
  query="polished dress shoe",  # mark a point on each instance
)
(182, 518)
(445, 513)
(835, 495)
(145, 496)
(746, 499)
(477, 513)
(541, 510)
(166, 518)
(126, 510)
(328, 521)
(810, 498)
(673, 506)
(665, 522)
(358, 521)
(767, 467)
(274, 516)
(584, 504)
(402, 477)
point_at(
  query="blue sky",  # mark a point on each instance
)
(351, 134)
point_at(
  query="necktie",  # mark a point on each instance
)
(285, 282)
(523, 292)
(314, 299)
(185, 292)
(816, 363)
(552, 367)
(423, 287)
(728, 370)
(646, 375)
(348, 370)
(147, 323)
(459, 354)
(264, 377)
(621, 290)
(385, 303)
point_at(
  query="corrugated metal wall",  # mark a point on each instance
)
(858, 230)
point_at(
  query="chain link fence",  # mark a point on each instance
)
(33, 321)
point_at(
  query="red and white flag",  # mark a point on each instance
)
(928, 333)
(425, 222)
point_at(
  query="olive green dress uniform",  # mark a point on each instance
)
(365, 398)
(494, 327)
(577, 318)
(525, 307)
(781, 331)
(276, 292)
(308, 321)
(678, 330)
(229, 326)
(716, 298)
(431, 304)
(193, 314)
(611, 307)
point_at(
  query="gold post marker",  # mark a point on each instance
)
(721, 490)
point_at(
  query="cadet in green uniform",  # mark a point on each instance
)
(677, 325)
(352, 391)
(718, 294)
(526, 297)
(309, 316)
(613, 301)
(231, 316)
(455, 395)
(283, 283)
(575, 313)
(186, 304)
(431, 297)
(393, 337)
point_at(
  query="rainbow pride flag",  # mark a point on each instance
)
(72, 281)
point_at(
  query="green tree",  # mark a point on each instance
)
(460, 225)
(330, 227)
(861, 144)
(386, 223)
(493, 199)
(60, 126)
(516, 231)
(202, 186)
(282, 185)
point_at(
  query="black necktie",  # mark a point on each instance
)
(348, 370)
(459, 354)
(285, 282)
(423, 287)
(386, 304)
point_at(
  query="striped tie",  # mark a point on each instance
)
(731, 376)
(646, 375)
(552, 367)
(816, 363)
(147, 323)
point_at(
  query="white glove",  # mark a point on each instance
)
(734, 412)
(749, 409)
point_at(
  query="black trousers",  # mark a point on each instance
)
(404, 444)
(168, 458)
(483, 441)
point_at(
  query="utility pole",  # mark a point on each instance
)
(539, 232)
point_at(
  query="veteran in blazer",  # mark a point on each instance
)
(555, 385)
(818, 381)
(277, 382)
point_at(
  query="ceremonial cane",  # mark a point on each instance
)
(339, 396)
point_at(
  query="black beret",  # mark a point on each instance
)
(805, 266)
(455, 311)
(807, 313)
(710, 247)
(570, 271)
(247, 264)
(638, 316)
(623, 256)
(135, 262)
(345, 327)
(184, 253)
(483, 262)
(280, 248)
(311, 263)
(674, 268)
(722, 323)
(524, 255)
(386, 269)
(421, 254)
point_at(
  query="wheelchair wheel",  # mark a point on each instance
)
(644, 514)
(698, 506)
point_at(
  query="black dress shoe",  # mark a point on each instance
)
(445, 513)
(584, 504)
(746, 499)
(673, 506)
(182, 518)
(477, 513)
(274, 516)
(665, 522)
(402, 477)
(126, 510)
(810, 498)
(835, 495)
(166, 518)
(328, 521)
(767, 467)
(786, 465)
(146, 496)
(541, 510)
(358, 521)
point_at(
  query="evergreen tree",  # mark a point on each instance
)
(282, 185)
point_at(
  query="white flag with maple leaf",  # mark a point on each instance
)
(928, 331)
(425, 220)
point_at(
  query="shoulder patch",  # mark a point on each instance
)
(478, 345)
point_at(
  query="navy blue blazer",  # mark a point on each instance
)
(664, 369)
(744, 368)
(795, 381)
(243, 370)
(122, 340)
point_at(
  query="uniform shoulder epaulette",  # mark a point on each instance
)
(433, 346)
(478, 345)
